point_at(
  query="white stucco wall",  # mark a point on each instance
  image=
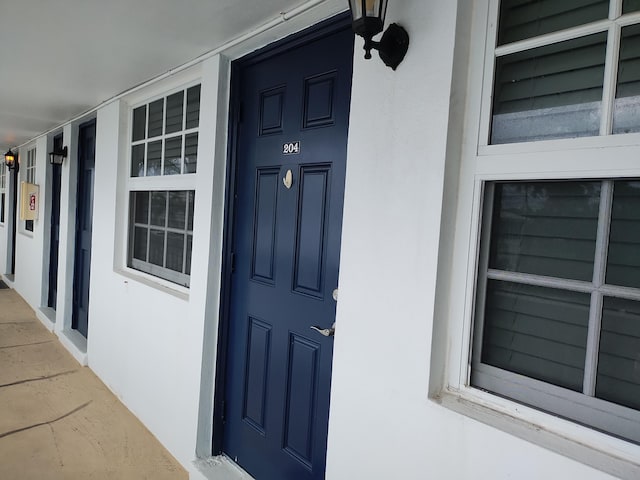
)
(382, 422)
(155, 346)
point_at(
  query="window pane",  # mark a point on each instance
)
(175, 251)
(154, 158)
(140, 243)
(158, 208)
(630, 6)
(618, 377)
(155, 118)
(177, 209)
(2, 207)
(28, 225)
(525, 19)
(192, 196)
(137, 161)
(187, 268)
(549, 92)
(545, 228)
(156, 247)
(537, 332)
(141, 201)
(623, 261)
(174, 112)
(190, 153)
(626, 112)
(139, 123)
(173, 156)
(193, 107)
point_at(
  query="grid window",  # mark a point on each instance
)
(565, 70)
(164, 138)
(162, 233)
(164, 152)
(558, 299)
(30, 177)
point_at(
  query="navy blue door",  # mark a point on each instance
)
(84, 218)
(56, 179)
(290, 168)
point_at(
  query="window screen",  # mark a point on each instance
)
(164, 135)
(549, 75)
(30, 177)
(162, 233)
(558, 300)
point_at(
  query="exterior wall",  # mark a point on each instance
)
(155, 346)
(145, 338)
(404, 136)
(30, 245)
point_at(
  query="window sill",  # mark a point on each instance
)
(154, 282)
(585, 445)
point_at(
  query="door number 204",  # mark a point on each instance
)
(291, 148)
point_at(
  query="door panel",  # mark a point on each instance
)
(287, 248)
(84, 219)
(56, 179)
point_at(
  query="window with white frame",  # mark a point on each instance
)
(556, 322)
(30, 177)
(566, 69)
(164, 153)
(3, 192)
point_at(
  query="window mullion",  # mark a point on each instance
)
(164, 134)
(599, 272)
(148, 226)
(483, 268)
(492, 37)
(610, 79)
(186, 225)
(165, 230)
(615, 9)
(184, 127)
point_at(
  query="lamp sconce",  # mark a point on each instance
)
(56, 157)
(368, 20)
(11, 160)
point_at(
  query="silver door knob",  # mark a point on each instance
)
(327, 332)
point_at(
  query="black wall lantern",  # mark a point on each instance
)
(58, 155)
(10, 160)
(368, 21)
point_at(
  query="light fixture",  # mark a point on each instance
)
(368, 21)
(10, 160)
(56, 157)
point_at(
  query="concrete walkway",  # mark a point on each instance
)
(57, 419)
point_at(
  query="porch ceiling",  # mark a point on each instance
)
(61, 58)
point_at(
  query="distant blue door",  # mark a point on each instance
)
(56, 179)
(84, 220)
(290, 158)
